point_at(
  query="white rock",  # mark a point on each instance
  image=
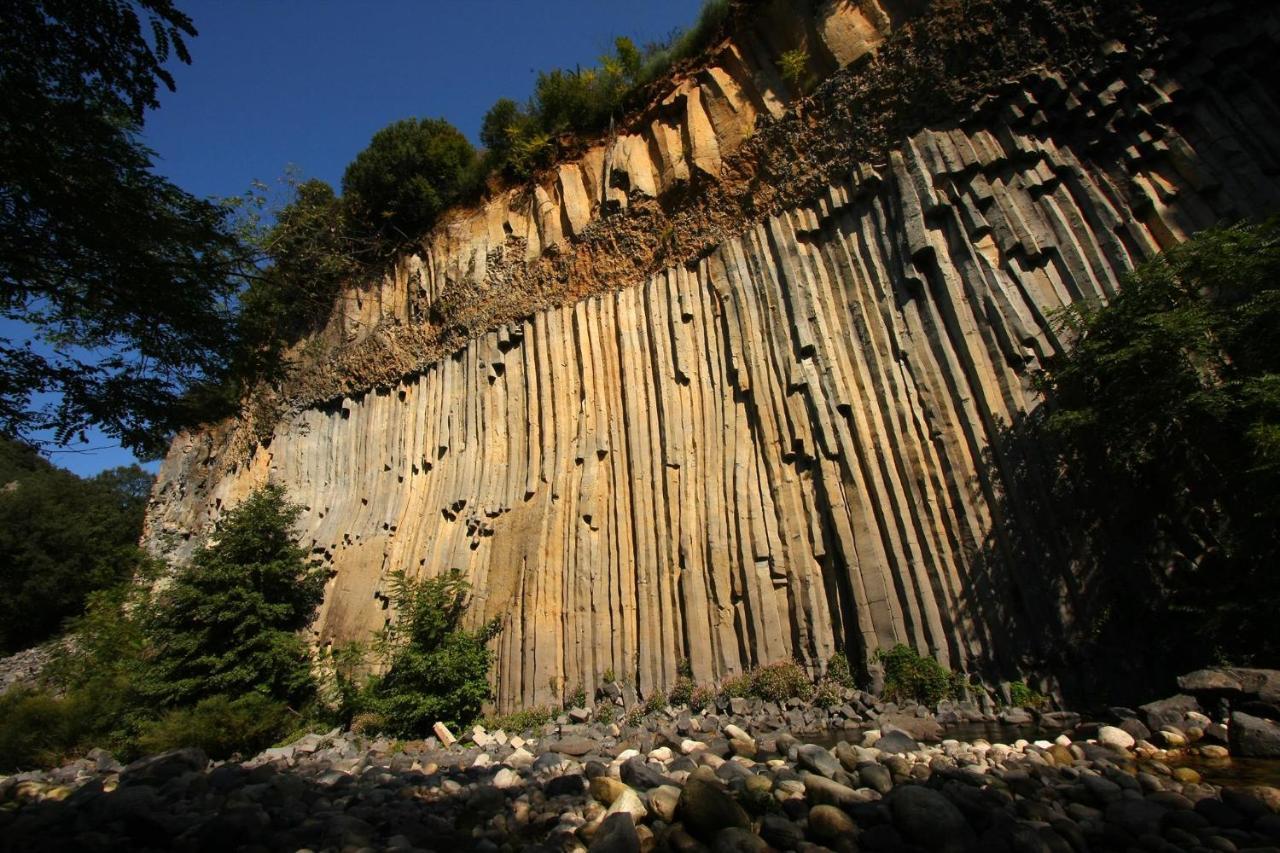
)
(506, 778)
(628, 801)
(1115, 737)
(688, 747)
(444, 735)
(662, 753)
(520, 759)
(1062, 740)
(625, 756)
(482, 760)
(517, 742)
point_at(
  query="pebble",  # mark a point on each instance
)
(667, 785)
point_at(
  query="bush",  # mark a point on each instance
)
(701, 698)
(682, 692)
(397, 187)
(228, 624)
(605, 714)
(827, 693)
(527, 720)
(221, 726)
(736, 686)
(436, 670)
(839, 672)
(1023, 696)
(656, 702)
(910, 677)
(777, 682)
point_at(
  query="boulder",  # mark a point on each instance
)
(819, 790)
(818, 760)
(1215, 680)
(617, 834)
(158, 769)
(897, 742)
(1253, 737)
(1168, 712)
(828, 823)
(705, 806)
(928, 819)
(1115, 737)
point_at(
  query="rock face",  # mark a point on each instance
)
(789, 445)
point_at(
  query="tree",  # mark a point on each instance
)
(229, 622)
(410, 172)
(123, 279)
(436, 670)
(1166, 418)
(311, 251)
(61, 539)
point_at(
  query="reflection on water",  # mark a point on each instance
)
(1232, 772)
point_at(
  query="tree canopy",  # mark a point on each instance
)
(61, 539)
(124, 280)
(410, 172)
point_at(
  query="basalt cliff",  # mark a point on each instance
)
(735, 382)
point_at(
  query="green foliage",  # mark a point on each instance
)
(578, 699)
(312, 252)
(1023, 696)
(609, 676)
(129, 293)
(794, 67)
(1167, 415)
(839, 672)
(911, 677)
(656, 702)
(411, 171)
(220, 725)
(682, 692)
(777, 682)
(61, 539)
(701, 698)
(736, 686)
(520, 140)
(436, 670)
(605, 714)
(228, 624)
(827, 693)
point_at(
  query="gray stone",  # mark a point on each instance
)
(705, 807)
(875, 776)
(637, 773)
(929, 819)
(1168, 712)
(569, 785)
(734, 839)
(818, 760)
(1253, 737)
(897, 742)
(158, 769)
(617, 834)
(819, 790)
(828, 823)
(781, 833)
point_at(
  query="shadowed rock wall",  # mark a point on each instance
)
(791, 445)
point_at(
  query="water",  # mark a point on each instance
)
(965, 732)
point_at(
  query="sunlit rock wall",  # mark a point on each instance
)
(792, 445)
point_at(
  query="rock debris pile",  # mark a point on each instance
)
(731, 778)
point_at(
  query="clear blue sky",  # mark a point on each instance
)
(280, 82)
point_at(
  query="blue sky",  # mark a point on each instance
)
(275, 83)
